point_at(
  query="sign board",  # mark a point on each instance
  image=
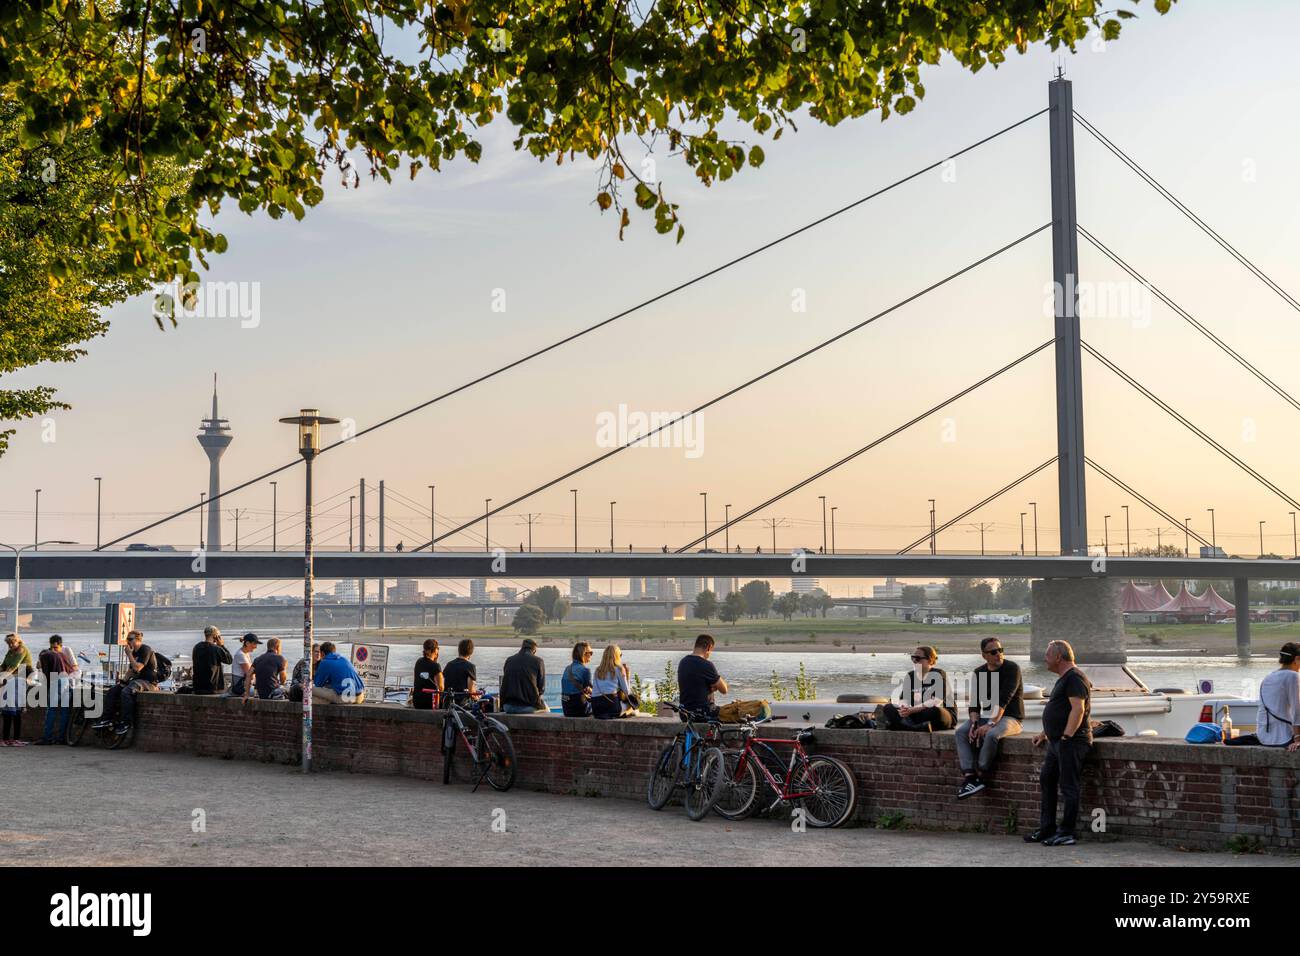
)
(371, 663)
(119, 620)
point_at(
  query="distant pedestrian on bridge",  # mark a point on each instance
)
(1067, 732)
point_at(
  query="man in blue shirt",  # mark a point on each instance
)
(337, 681)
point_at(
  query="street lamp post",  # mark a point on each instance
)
(1022, 533)
(1261, 539)
(833, 529)
(1187, 537)
(575, 518)
(1295, 550)
(99, 500)
(203, 496)
(1214, 546)
(705, 495)
(931, 500)
(433, 519)
(18, 561)
(1034, 505)
(726, 528)
(309, 423)
(1128, 541)
(36, 533)
(823, 501)
(352, 500)
(1105, 523)
(487, 523)
(274, 509)
(611, 526)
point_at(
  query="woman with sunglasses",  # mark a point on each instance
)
(997, 706)
(927, 701)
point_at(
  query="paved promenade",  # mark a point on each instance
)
(65, 806)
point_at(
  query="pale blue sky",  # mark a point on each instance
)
(382, 297)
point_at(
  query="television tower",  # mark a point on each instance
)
(214, 438)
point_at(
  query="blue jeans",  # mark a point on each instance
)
(524, 709)
(59, 698)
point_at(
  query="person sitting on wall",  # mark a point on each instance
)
(1277, 719)
(302, 674)
(428, 677)
(611, 696)
(575, 683)
(997, 706)
(523, 681)
(460, 676)
(698, 679)
(207, 659)
(270, 672)
(337, 681)
(141, 675)
(241, 670)
(926, 700)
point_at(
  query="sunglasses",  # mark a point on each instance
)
(994, 650)
(919, 657)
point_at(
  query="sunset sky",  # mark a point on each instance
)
(383, 297)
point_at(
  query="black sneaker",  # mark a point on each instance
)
(42, 743)
(969, 789)
(101, 724)
(121, 729)
(1038, 836)
(1060, 838)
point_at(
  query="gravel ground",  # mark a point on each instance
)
(65, 806)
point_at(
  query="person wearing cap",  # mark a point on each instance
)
(209, 657)
(523, 681)
(241, 671)
(337, 681)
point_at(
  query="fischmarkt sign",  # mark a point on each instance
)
(371, 662)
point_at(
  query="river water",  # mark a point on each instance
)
(748, 672)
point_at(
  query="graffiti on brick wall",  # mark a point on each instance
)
(1146, 790)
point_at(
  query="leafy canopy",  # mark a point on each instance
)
(262, 97)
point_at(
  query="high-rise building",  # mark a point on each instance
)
(689, 588)
(723, 586)
(804, 584)
(405, 591)
(579, 588)
(215, 438)
(345, 591)
(635, 588)
(478, 589)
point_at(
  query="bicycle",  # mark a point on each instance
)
(82, 720)
(692, 762)
(823, 787)
(487, 741)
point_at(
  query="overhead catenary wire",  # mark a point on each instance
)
(1186, 316)
(1193, 217)
(742, 386)
(645, 303)
(1123, 486)
(1189, 425)
(872, 444)
(976, 507)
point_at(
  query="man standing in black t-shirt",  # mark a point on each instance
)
(1067, 732)
(428, 677)
(698, 679)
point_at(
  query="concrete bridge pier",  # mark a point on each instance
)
(435, 616)
(1086, 612)
(618, 612)
(494, 616)
(482, 615)
(1241, 598)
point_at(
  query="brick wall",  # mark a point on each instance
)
(1162, 791)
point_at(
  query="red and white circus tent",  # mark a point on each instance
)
(1140, 598)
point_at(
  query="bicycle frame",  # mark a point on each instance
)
(784, 787)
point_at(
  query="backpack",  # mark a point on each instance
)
(162, 667)
(1205, 733)
(852, 722)
(1106, 728)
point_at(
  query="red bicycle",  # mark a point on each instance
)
(823, 787)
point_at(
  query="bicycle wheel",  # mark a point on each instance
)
(122, 741)
(835, 791)
(663, 777)
(705, 785)
(78, 727)
(499, 753)
(739, 791)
